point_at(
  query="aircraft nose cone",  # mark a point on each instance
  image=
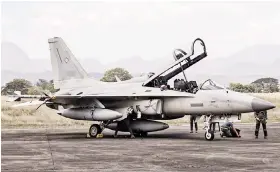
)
(260, 105)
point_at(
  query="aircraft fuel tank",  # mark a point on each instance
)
(139, 125)
(97, 114)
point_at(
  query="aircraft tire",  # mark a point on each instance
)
(94, 130)
(209, 136)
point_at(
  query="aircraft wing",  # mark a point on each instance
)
(121, 96)
(143, 94)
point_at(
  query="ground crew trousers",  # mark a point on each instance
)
(258, 123)
(192, 120)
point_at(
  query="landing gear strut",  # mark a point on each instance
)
(209, 134)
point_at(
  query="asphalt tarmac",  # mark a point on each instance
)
(174, 149)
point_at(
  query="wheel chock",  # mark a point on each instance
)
(99, 136)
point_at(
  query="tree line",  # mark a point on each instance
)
(267, 85)
(26, 87)
(262, 85)
(42, 85)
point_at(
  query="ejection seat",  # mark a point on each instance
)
(193, 86)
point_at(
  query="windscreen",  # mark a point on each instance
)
(211, 85)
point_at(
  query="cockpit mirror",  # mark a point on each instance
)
(178, 53)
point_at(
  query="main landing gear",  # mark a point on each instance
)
(96, 129)
(209, 134)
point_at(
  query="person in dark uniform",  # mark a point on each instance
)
(126, 122)
(229, 131)
(261, 118)
(193, 121)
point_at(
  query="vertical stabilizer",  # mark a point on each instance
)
(64, 64)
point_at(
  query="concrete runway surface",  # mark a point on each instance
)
(174, 149)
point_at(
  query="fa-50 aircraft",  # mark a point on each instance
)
(134, 106)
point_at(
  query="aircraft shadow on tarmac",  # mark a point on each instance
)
(75, 136)
(39, 136)
(160, 136)
(52, 136)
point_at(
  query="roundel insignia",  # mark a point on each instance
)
(66, 60)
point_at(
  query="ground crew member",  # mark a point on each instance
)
(193, 120)
(126, 122)
(261, 118)
(229, 131)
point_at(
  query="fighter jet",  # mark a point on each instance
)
(135, 106)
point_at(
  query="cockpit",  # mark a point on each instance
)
(211, 85)
(183, 61)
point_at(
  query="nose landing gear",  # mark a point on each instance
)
(209, 134)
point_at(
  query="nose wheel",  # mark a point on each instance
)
(209, 135)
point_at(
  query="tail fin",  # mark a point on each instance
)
(64, 64)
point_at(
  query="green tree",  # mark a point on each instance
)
(17, 85)
(34, 91)
(267, 85)
(236, 87)
(109, 75)
(46, 85)
(241, 88)
(42, 83)
(257, 87)
(248, 89)
(265, 80)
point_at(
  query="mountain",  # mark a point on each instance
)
(15, 63)
(15, 59)
(243, 66)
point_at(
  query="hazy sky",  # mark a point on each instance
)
(110, 31)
